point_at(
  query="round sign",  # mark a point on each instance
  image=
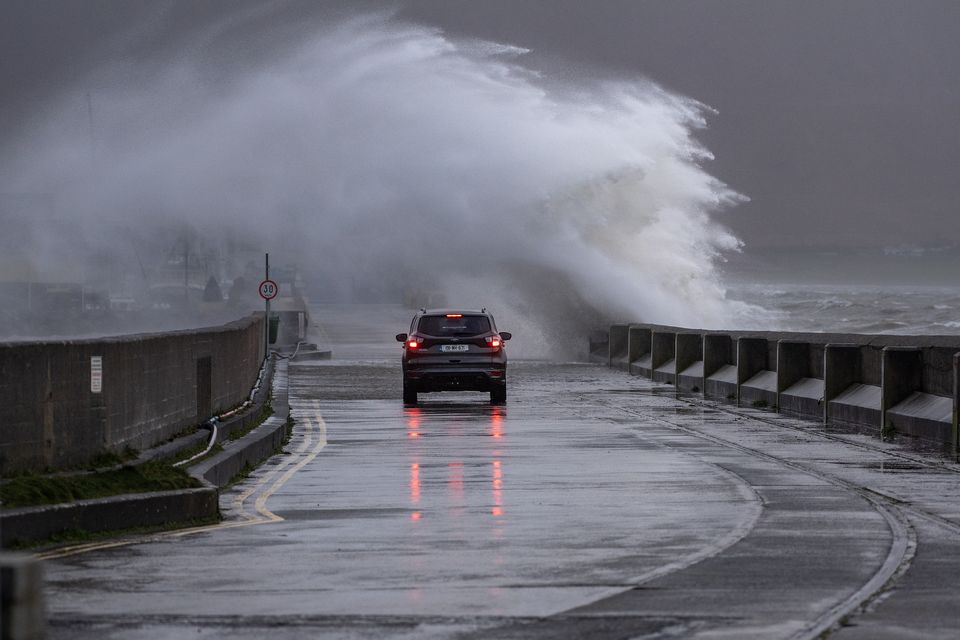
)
(269, 289)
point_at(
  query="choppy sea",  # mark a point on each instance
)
(856, 309)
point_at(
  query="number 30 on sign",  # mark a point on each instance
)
(268, 290)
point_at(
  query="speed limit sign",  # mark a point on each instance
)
(269, 290)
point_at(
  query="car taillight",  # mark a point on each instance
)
(414, 342)
(493, 342)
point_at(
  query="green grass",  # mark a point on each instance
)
(31, 490)
(113, 459)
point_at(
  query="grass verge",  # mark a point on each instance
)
(32, 490)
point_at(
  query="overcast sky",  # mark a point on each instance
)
(840, 120)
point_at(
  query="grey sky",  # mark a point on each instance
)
(840, 120)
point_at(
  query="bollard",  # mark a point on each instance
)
(22, 615)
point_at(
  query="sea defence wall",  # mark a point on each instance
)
(904, 385)
(63, 403)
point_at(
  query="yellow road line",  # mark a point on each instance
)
(239, 500)
(261, 504)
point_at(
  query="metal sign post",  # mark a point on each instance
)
(268, 291)
(266, 313)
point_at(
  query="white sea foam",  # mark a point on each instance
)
(389, 155)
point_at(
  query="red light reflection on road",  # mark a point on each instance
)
(413, 415)
(497, 489)
(455, 478)
(496, 422)
(415, 482)
(416, 515)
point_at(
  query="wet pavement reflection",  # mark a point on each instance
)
(461, 516)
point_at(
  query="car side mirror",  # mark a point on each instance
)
(505, 335)
(401, 337)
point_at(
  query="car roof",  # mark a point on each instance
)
(440, 312)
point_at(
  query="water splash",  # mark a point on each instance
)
(387, 155)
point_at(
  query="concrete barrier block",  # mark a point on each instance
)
(751, 358)
(841, 368)
(955, 433)
(718, 351)
(663, 356)
(760, 390)
(619, 334)
(757, 385)
(907, 408)
(638, 350)
(925, 416)
(793, 363)
(849, 396)
(857, 406)
(803, 398)
(22, 607)
(799, 392)
(689, 366)
(719, 367)
(901, 373)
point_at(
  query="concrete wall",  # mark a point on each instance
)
(152, 386)
(903, 385)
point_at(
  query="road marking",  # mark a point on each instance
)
(238, 501)
(261, 503)
(311, 421)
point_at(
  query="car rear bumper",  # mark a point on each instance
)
(429, 379)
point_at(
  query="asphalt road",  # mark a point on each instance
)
(594, 504)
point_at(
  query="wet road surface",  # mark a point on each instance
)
(593, 505)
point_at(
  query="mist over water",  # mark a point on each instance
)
(383, 156)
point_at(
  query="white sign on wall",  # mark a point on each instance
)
(96, 374)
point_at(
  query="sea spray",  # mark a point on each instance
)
(384, 156)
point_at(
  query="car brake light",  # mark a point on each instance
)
(454, 315)
(493, 342)
(414, 342)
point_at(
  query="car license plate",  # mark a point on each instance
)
(454, 347)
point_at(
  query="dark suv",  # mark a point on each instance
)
(454, 350)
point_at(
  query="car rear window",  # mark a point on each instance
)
(441, 326)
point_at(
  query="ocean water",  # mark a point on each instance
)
(899, 309)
